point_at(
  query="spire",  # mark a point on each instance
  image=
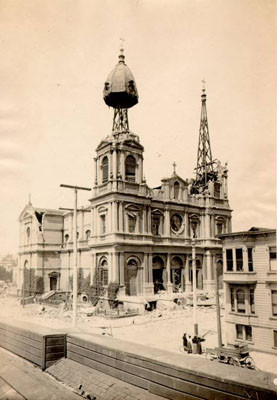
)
(205, 164)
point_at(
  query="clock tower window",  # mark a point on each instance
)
(105, 169)
(130, 168)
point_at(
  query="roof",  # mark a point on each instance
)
(254, 231)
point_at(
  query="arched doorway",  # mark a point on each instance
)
(158, 273)
(131, 274)
(176, 266)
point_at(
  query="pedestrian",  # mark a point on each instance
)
(189, 345)
(185, 342)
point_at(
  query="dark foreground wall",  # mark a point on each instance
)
(168, 374)
(40, 345)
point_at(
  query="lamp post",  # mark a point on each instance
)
(195, 324)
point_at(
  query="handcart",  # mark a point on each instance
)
(237, 354)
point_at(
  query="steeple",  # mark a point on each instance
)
(205, 171)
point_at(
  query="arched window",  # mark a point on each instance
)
(66, 238)
(130, 168)
(241, 301)
(105, 169)
(104, 275)
(87, 234)
(131, 223)
(176, 190)
(26, 264)
(78, 235)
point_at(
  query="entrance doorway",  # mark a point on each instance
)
(158, 274)
(53, 283)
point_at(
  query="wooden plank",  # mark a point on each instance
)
(54, 356)
(55, 348)
(24, 354)
(59, 340)
(24, 347)
(21, 339)
(173, 394)
(23, 332)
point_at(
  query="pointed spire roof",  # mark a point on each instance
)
(205, 163)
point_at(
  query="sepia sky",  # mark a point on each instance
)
(55, 56)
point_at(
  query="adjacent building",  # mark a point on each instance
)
(129, 233)
(250, 278)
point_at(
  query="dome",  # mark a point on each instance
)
(120, 88)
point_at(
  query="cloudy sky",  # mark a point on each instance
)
(56, 55)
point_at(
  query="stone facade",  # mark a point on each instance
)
(138, 236)
(250, 278)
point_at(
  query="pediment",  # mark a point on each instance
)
(133, 143)
(27, 212)
(175, 178)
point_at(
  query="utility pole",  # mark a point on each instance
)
(75, 266)
(218, 321)
(195, 324)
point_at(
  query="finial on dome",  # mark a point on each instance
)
(203, 89)
(121, 55)
(30, 203)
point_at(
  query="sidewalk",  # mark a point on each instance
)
(19, 379)
(96, 383)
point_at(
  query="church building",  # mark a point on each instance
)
(138, 236)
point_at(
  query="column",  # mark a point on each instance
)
(110, 169)
(207, 226)
(209, 284)
(169, 283)
(122, 164)
(121, 270)
(212, 226)
(120, 217)
(186, 225)
(92, 268)
(115, 216)
(144, 217)
(150, 270)
(245, 258)
(224, 260)
(141, 168)
(167, 223)
(187, 281)
(114, 167)
(99, 177)
(114, 267)
(149, 220)
(95, 171)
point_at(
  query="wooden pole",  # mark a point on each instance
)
(75, 252)
(218, 320)
(195, 324)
